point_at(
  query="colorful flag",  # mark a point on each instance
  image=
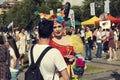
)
(10, 26)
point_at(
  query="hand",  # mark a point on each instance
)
(69, 56)
(69, 59)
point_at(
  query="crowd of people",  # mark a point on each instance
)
(69, 45)
(104, 40)
(48, 33)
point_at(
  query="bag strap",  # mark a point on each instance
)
(54, 74)
(31, 55)
(41, 56)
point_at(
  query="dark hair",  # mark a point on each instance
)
(45, 29)
(1, 39)
(20, 28)
(99, 27)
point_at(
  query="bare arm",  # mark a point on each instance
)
(14, 61)
(65, 75)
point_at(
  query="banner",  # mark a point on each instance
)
(106, 7)
(72, 17)
(92, 8)
(51, 12)
(58, 10)
(105, 24)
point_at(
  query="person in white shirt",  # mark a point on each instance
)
(99, 43)
(53, 61)
(82, 35)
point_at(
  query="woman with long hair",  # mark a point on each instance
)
(22, 45)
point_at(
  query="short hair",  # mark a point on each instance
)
(45, 29)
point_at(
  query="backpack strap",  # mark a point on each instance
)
(31, 54)
(42, 55)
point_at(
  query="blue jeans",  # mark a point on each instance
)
(14, 74)
(88, 55)
(99, 50)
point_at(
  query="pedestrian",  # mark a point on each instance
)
(115, 37)
(4, 62)
(119, 39)
(99, 42)
(111, 45)
(88, 44)
(53, 61)
(82, 35)
(94, 37)
(22, 45)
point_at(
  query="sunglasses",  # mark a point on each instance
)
(57, 27)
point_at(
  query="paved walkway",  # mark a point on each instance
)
(107, 71)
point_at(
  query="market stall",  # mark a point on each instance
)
(90, 21)
(110, 18)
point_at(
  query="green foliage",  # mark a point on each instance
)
(22, 13)
(115, 8)
(77, 12)
(99, 8)
(85, 10)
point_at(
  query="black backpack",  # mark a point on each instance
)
(33, 72)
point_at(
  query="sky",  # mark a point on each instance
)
(74, 2)
(1, 1)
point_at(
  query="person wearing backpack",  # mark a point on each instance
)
(52, 62)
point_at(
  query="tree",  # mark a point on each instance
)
(86, 8)
(22, 13)
(115, 8)
(77, 12)
(48, 5)
(99, 8)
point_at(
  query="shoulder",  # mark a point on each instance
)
(54, 51)
(38, 47)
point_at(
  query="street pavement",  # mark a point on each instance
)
(107, 70)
